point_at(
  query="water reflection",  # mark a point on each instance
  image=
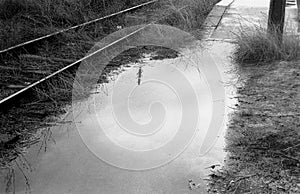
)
(62, 163)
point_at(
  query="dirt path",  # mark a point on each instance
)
(262, 139)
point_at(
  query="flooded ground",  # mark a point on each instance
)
(84, 155)
(95, 150)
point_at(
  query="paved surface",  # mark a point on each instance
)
(227, 18)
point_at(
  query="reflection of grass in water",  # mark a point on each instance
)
(46, 103)
(24, 167)
(40, 108)
(10, 181)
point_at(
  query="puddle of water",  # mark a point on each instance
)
(68, 166)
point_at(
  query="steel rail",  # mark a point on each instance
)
(76, 62)
(71, 65)
(77, 26)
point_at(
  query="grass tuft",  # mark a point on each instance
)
(23, 20)
(256, 45)
(186, 15)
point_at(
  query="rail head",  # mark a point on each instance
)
(76, 26)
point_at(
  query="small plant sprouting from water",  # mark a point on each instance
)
(23, 166)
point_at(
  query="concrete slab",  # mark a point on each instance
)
(214, 18)
(236, 18)
(212, 21)
(251, 13)
(225, 3)
(252, 3)
(217, 11)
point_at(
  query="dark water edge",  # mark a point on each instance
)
(22, 124)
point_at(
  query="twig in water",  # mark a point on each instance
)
(10, 177)
(26, 178)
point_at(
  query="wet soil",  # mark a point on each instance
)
(61, 154)
(39, 108)
(19, 124)
(263, 137)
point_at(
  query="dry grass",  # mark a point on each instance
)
(187, 15)
(26, 19)
(263, 141)
(256, 45)
(23, 20)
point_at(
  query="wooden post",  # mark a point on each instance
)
(276, 17)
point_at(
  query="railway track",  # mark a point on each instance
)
(14, 90)
(22, 111)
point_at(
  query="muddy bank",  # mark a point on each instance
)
(263, 138)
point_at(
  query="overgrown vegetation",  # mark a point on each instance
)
(186, 15)
(256, 45)
(263, 136)
(23, 20)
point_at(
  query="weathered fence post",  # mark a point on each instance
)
(276, 17)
